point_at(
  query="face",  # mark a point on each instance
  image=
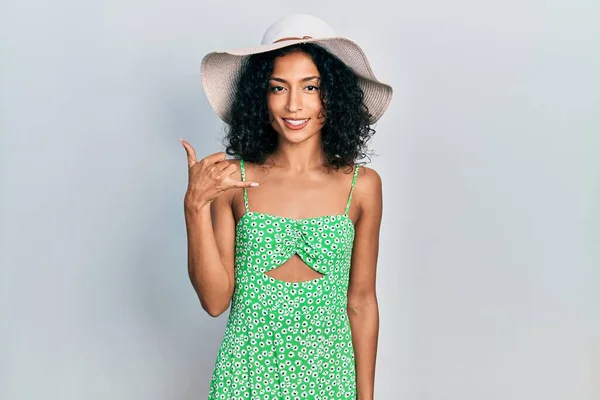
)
(294, 98)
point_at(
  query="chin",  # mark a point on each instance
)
(298, 136)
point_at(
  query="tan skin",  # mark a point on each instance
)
(294, 182)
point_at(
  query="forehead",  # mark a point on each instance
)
(295, 64)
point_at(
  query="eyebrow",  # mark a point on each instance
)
(308, 78)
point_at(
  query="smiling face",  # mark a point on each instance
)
(294, 98)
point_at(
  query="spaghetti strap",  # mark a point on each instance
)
(243, 169)
(356, 167)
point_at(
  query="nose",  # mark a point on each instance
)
(294, 100)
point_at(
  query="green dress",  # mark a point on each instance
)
(288, 340)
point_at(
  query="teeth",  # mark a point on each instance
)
(296, 122)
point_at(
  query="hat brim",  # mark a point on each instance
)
(220, 72)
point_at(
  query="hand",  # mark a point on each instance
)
(209, 178)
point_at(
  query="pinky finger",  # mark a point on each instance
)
(246, 184)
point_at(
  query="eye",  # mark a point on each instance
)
(314, 88)
(276, 89)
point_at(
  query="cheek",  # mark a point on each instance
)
(317, 105)
(270, 105)
(272, 109)
(320, 112)
(275, 103)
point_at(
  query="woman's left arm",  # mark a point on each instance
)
(363, 311)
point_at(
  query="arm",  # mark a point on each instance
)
(363, 311)
(211, 228)
(211, 237)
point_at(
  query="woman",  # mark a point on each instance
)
(297, 267)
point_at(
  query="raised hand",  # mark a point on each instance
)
(209, 178)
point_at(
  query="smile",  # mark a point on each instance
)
(295, 123)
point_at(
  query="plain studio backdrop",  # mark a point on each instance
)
(488, 274)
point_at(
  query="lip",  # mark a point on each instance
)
(295, 127)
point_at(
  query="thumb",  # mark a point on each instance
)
(191, 153)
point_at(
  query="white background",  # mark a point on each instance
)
(488, 279)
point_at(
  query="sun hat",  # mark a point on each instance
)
(220, 70)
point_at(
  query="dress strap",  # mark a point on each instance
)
(243, 169)
(356, 167)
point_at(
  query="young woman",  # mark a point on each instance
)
(288, 231)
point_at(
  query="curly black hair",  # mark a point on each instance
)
(346, 130)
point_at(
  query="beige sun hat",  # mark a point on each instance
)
(220, 70)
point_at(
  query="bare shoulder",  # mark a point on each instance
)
(368, 192)
(368, 180)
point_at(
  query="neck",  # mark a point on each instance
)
(299, 157)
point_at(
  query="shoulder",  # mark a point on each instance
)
(368, 193)
(368, 180)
